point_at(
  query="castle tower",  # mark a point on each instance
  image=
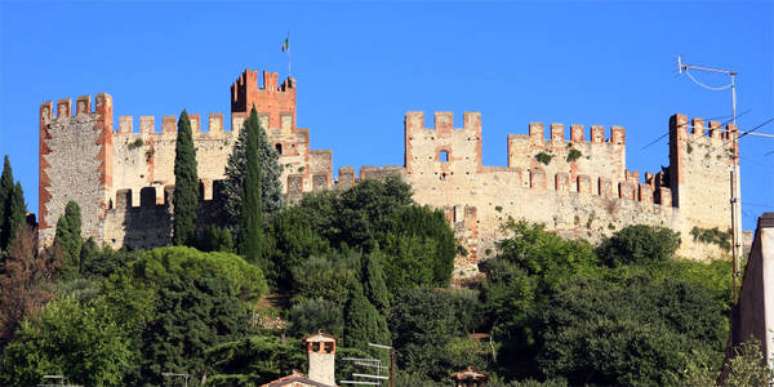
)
(701, 159)
(305, 169)
(321, 350)
(275, 102)
(75, 158)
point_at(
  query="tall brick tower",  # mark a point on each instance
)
(276, 103)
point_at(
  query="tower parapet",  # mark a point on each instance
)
(272, 99)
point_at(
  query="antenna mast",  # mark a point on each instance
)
(736, 211)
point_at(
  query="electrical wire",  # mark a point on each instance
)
(757, 127)
(705, 131)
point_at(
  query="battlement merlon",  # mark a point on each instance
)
(536, 134)
(215, 127)
(683, 129)
(443, 123)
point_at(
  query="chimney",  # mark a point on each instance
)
(321, 350)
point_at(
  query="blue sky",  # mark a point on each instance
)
(361, 66)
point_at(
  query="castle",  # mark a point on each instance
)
(578, 186)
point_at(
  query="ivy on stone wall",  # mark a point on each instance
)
(544, 158)
(712, 236)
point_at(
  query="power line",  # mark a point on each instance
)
(705, 131)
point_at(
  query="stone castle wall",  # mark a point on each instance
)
(576, 183)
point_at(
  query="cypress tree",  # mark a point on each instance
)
(6, 191)
(68, 241)
(251, 214)
(271, 189)
(374, 281)
(364, 323)
(16, 213)
(186, 196)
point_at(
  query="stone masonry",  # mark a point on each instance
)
(578, 186)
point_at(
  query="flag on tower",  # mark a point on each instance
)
(286, 44)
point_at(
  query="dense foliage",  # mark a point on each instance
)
(159, 312)
(186, 197)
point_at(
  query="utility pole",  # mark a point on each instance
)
(736, 193)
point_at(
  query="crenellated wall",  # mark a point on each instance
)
(83, 159)
(579, 187)
(574, 181)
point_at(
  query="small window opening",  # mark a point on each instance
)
(328, 347)
(443, 156)
(278, 147)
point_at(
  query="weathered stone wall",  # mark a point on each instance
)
(74, 163)
(701, 160)
(588, 197)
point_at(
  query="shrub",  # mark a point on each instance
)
(639, 244)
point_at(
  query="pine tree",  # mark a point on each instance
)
(251, 214)
(374, 281)
(6, 191)
(186, 196)
(364, 323)
(68, 241)
(271, 189)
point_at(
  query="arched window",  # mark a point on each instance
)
(443, 156)
(278, 147)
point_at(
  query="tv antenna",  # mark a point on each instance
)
(736, 211)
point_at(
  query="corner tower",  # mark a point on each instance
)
(75, 161)
(701, 160)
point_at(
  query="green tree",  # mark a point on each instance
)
(6, 190)
(374, 284)
(330, 277)
(639, 244)
(186, 197)
(626, 329)
(251, 239)
(271, 170)
(78, 341)
(309, 316)
(424, 322)
(364, 323)
(215, 238)
(253, 361)
(293, 240)
(201, 300)
(13, 209)
(68, 240)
